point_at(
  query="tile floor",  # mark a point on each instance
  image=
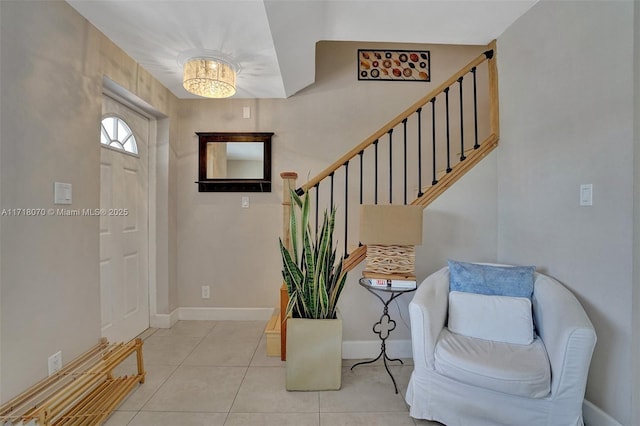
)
(215, 373)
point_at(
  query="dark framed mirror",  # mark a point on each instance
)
(234, 162)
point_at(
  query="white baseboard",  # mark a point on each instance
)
(210, 314)
(164, 320)
(594, 416)
(225, 314)
(363, 349)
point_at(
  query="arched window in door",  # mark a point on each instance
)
(115, 133)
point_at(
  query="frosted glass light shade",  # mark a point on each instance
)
(209, 78)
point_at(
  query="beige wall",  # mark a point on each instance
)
(635, 342)
(567, 119)
(561, 117)
(234, 250)
(50, 109)
(52, 68)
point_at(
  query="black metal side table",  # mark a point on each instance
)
(385, 325)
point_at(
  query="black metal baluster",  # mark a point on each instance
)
(419, 112)
(433, 138)
(404, 126)
(475, 108)
(361, 154)
(390, 132)
(331, 199)
(462, 156)
(375, 180)
(446, 97)
(317, 187)
(346, 206)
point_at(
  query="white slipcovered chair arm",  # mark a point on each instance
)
(428, 312)
(567, 333)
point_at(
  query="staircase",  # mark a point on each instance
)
(444, 135)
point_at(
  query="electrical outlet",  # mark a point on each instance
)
(55, 363)
(206, 292)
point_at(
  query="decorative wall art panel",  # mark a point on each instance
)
(396, 65)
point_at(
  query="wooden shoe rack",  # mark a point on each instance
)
(83, 393)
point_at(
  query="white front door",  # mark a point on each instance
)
(124, 258)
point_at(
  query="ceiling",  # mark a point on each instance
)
(273, 41)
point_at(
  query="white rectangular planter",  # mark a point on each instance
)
(314, 354)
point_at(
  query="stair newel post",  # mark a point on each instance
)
(419, 112)
(289, 184)
(462, 156)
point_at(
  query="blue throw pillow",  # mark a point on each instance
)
(515, 281)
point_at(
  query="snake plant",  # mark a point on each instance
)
(311, 271)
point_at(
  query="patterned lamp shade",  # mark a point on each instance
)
(391, 233)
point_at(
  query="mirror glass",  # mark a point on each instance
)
(234, 162)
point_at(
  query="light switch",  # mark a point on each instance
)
(246, 112)
(62, 193)
(586, 194)
(245, 202)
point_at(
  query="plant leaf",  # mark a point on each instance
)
(314, 280)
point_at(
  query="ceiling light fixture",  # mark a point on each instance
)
(209, 77)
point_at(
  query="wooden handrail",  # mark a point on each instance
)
(412, 109)
(355, 257)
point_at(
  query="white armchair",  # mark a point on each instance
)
(489, 389)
